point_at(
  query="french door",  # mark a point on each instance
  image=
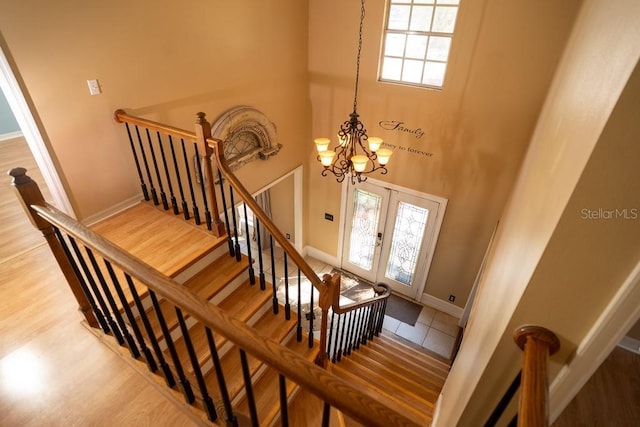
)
(389, 236)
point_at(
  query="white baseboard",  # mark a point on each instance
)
(10, 135)
(630, 344)
(441, 305)
(321, 256)
(100, 216)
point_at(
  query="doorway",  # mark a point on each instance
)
(390, 235)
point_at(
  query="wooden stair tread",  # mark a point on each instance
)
(205, 283)
(393, 345)
(396, 386)
(166, 243)
(395, 372)
(415, 349)
(273, 326)
(242, 304)
(421, 372)
(266, 390)
(420, 416)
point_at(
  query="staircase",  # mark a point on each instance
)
(387, 369)
(165, 281)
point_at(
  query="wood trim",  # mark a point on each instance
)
(325, 385)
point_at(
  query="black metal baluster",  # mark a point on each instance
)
(367, 315)
(246, 374)
(384, 311)
(326, 413)
(184, 383)
(380, 318)
(196, 212)
(115, 324)
(166, 371)
(235, 225)
(252, 274)
(274, 289)
(151, 363)
(174, 203)
(299, 311)
(206, 398)
(154, 196)
(311, 315)
(372, 322)
(358, 337)
(163, 196)
(342, 331)
(350, 329)
(329, 352)
(284, 412)
(185, 206)
(287, 305)
(145, 192)
(263, 282)
(226, 214)
(222, 385)
(98, 310)
(207, 213)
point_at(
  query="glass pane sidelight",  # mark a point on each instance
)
(406, 242)
(364, 228)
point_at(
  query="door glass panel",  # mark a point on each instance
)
(408, 233)
(366, 214)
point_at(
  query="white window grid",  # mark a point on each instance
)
(417, 41)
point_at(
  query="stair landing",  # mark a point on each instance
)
(161, 240)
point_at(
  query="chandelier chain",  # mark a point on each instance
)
(355, 96)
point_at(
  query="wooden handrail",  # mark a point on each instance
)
(538, 344)
(121, 116)
(322, 383)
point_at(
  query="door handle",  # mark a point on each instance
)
(379, 239)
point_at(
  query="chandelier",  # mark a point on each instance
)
(355, 154)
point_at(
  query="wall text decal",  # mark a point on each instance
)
(399, 126)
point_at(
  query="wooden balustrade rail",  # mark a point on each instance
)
(320, 382)
(538, 344)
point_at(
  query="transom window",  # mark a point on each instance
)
(417, 41)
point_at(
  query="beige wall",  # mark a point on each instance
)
(551, 266)
(164, 60)
(503, 57)
(282, 206)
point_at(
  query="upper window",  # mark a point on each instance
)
(417, 40)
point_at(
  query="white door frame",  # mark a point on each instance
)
(424, 272)
(20, 108)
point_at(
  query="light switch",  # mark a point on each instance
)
(94, 87)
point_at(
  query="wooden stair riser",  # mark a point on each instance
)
(196, 267)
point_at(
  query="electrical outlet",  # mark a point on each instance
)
(288, 236)
(452, 298)
(328, 216)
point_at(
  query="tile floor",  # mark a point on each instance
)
(434, 330)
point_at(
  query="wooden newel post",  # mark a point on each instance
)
(203, 133)
(538, 344)
(29, 194)
(329, 296)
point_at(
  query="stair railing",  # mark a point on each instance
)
(356, 323)
(223, 186)
(120, 294)
(538, 344)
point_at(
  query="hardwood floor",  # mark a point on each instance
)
(53, 371)
(611, 397)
